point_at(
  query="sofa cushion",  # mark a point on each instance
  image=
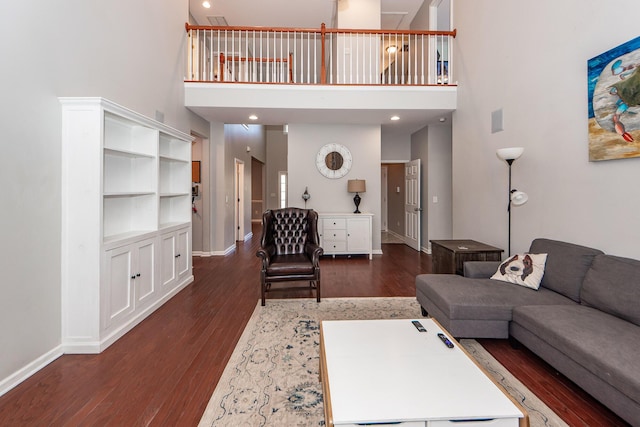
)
(605, 345)
(566, 266)
(479, 269)
(522, 269)
(612, 285)
(480, 299)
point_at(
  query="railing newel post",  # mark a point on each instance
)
(323, 65)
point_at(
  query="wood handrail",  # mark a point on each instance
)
(241, 28)
(323, 30)
(399, 32)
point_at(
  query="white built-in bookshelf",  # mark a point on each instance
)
(126, 220)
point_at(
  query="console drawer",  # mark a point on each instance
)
(334, 246)
(330, 235)
(334, 223)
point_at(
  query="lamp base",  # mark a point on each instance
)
(356, 200)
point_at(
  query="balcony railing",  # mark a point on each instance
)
(323, 56)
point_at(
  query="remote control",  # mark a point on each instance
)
(418, 326)
(445, 340)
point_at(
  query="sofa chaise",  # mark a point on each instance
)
(584, 319)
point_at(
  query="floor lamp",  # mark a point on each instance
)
(516, 197)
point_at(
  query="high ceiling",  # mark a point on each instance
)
(396, 14)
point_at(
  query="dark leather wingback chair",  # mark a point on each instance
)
(290, 249)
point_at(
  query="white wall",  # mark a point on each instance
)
(330, 195)
(432, 145)
(359, 14)
(530, 59)
(216, 200)
(395, 147)
(438, 170)
(276, 162)
(119, 49)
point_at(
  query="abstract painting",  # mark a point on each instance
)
(614, 103)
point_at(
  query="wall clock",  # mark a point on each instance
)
(334, 160)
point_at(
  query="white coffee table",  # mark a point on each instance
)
(386, 371)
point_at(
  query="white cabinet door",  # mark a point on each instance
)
(118, 301)
(130, 280)
(145, 281)
(176, 257)
(358, 235)
(183, 255)
(168, 262)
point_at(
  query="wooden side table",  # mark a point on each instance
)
(449, 256)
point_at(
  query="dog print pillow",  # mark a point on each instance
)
(522, 269)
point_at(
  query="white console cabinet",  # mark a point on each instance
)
(345, 233)
(126, 220)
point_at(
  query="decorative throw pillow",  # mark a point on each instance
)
(522, 269)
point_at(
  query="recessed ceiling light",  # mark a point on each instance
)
(206, 4)
(253, 117)
(394, 118)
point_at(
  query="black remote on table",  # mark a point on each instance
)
(418, 326)
(445, 340)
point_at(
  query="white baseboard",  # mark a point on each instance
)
(227, 251)
(201, 254)
(76, 347)
(22, 374)
(393, 233)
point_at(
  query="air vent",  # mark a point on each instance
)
(218, 21)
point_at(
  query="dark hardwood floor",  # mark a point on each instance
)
(164, 371)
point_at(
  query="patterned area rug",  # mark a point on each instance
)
(272, 376)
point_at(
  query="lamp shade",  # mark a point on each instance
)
(510, 153)
(519, 197)
(356, 186)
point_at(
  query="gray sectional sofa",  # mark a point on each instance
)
(584, 320)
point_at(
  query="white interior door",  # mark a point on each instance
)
(412, 205)
(384, 197)
(239, 197)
